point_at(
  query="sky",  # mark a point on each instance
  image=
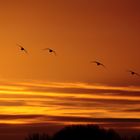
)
(39, 88)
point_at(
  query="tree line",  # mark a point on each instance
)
(82, 132)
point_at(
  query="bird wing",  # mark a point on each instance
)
(103, 65)
(54, 53)
(25, 51)
(129, 71)
(46, 49)
(20, 46)
(94, 62)
(137, 74)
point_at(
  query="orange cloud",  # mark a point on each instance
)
(34, 98)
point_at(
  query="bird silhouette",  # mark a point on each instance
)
(98, 63)
(133, 73)
(50, 50)
(22, 48)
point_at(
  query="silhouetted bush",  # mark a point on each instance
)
(87, 132)
(82, 132)
(38, 136)
(135, 138)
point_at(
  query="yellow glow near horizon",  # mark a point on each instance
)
(24, 100)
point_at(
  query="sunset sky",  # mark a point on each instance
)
(41, 88)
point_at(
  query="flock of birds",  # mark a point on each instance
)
(48, 49)
(95, 62)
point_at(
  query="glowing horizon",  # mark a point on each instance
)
(30, 98)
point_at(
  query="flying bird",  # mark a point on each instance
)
(98, 63)
(22, 48)
(50, 50)
(133, 73)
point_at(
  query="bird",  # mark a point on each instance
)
(22, 48)
(98, 63)
(50, 50)
(133, 73)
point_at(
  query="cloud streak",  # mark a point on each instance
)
(38, 102)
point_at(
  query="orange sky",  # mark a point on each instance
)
(79, 31)
(67, 100)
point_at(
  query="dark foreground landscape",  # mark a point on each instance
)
(82, 132)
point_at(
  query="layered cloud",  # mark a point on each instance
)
(68, 103)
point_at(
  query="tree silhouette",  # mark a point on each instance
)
(88, 132)
(112, 135)
(38, 136)
(135, 138)
(82, 132)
